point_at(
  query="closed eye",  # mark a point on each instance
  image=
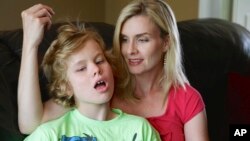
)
(143, 40)
(100, 61)
(81, 69)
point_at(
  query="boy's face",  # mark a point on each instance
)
(90, 75)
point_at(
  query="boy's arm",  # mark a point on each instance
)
(30, 107)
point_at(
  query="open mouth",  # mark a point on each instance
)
(100, 84)
(135, 61)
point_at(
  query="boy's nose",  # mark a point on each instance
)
(96, 70)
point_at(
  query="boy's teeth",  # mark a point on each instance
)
(99, 82)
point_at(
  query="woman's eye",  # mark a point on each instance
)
(123, 40)
(143, 40)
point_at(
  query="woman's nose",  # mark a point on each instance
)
(132, 48)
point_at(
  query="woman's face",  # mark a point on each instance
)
(90, 75)
(141, 45)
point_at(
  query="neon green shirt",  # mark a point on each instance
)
(73, 126)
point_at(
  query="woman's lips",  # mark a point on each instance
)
(134, 62)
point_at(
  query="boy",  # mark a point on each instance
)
(81, 77)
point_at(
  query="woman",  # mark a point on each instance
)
(147, 44)
(146, 39)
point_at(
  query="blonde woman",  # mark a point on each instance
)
(147, 45)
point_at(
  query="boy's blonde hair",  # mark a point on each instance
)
(70, 38)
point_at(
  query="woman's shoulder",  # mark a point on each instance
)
(185, 91)
(185, 96)
(188, 100)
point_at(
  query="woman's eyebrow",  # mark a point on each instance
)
(142, 34)
(137, 35)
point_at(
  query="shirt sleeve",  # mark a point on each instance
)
(149, 133)
(193, 103)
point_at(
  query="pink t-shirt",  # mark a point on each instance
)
(182, 106)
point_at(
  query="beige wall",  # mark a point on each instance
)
(183, 9)
(88, 10)
(113, 8)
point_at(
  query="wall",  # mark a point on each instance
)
(113, 8)
(88, 10)
(215, 8)
(183, 9)
(241, 13)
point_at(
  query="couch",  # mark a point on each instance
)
(216, 61)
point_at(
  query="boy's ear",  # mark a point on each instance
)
(69, 90)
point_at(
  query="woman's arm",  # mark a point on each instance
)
(31, 112)
(196, 128)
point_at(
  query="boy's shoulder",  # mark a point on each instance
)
(56, 123)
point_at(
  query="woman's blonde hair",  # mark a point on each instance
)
(163, 17)
(71, 37)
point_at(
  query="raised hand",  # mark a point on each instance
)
(36, 20)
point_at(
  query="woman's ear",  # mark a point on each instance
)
(165, 43)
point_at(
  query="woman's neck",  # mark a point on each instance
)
(148, 82)
(101, 112)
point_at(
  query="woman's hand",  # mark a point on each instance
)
(36, 20)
